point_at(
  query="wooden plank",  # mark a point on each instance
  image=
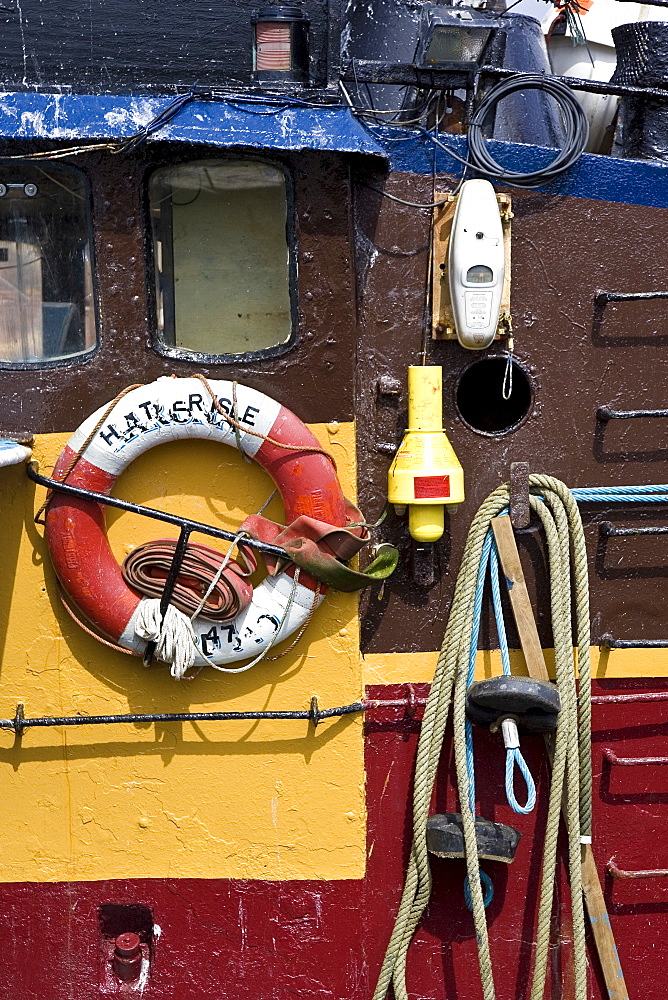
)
(443, 324)
(519, 597)
(601, 929)
(533, 653)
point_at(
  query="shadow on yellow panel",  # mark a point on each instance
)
(247, 799)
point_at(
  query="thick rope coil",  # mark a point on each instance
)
(571, 764)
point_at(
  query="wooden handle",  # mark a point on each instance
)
(533, 654)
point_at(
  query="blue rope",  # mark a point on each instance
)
(470, 766)
(488, 890)
(513, 757)
(622, 494)
(513, 754)
(489, 557)
(473, 650)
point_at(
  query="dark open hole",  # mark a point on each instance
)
(119, 918)
(480, 399)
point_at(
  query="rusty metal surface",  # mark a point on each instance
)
(520, 511)
(579, 356)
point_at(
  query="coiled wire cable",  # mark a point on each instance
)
(575, 122)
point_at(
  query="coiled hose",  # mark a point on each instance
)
(559, 514)
(575, 121)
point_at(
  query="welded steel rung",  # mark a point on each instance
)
(612, 758)
(605, 413)
(647, 873)
(608, 642)
(608, 530)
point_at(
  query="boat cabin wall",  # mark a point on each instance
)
(314, 377)
(144, 46)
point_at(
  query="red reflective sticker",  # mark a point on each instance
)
(431, 487)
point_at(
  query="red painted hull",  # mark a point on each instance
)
(243, 939)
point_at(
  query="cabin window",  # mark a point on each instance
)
(47, 309)
(223, 263)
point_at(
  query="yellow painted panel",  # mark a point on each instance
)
(270, 800)
(418, 668)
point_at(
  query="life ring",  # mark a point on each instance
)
(172, 409)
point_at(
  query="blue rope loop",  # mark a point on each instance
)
(487, 891)
(489, 556)
(514, 758)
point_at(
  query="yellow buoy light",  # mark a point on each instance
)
(425, 474)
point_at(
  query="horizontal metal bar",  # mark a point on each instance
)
(606, 413)
(608, 641)
(620, 699)
(612, 757)
(409, 75)
(601, 298)
(608, 530)
(648, 873)
(314, 715)
(579, 83)
(157, 515)
(649, 3)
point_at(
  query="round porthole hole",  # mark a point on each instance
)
(479, 398)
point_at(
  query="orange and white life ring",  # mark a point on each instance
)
(172, 409)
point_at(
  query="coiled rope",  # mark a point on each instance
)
(571, 765)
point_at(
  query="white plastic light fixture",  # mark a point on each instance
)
(476, 265)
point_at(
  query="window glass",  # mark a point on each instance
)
(222, 257)
(47, 309)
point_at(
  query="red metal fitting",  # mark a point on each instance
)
(127, 959)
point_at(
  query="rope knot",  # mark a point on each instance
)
(173, 634)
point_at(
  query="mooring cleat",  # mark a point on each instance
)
(534, 704)
(496, 841)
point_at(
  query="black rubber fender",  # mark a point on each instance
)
(535, 704)
(496, 841)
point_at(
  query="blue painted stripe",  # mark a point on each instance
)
(233, 122)
(602, 178)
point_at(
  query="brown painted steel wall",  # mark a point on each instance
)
(314, 379)
(578, 358)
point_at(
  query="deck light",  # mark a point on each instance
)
(280, 46)
(453, 37)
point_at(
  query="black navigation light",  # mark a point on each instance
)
(453, 38)
(280, 45)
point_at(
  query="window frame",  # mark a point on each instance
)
(72, 360)
(246, 357)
